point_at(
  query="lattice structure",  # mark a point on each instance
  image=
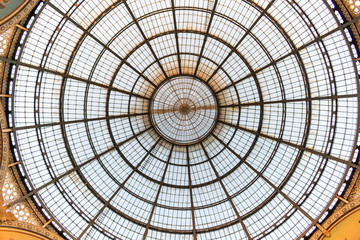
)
(184, 119)
(183, 110)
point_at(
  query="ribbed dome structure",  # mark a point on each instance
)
(168, 119)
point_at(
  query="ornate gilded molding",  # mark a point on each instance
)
(8, 41)
(17, 15)
(31, 228)
(337, 217)
(14, 178)
(5, 148)
(343, 210)
(355, 187)
(350, 10)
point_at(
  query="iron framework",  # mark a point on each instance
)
(285, 82)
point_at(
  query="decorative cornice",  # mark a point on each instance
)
(337, 217)
(355, 187)
(11, 36)
(348, 11)
(343, 209)
(31, 228)
(16, 17)
(6, 159)
(352, 194)
(5, 147)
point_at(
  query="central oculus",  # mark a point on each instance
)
(183, 110)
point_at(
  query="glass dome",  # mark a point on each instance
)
(171, 119)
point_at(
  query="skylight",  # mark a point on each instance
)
(174, 119)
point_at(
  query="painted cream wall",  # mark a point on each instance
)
(347, 229)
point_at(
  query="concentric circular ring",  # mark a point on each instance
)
(183, 110)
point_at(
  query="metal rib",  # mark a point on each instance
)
(191, 193)
(119, 188)
(226, 192)
(240, 41)
(64, 75)
(145, 38)
(176, 35)
(79, 121)
(99, 41)
(290, 100)
(291, 144)
(265, 179)
(56, 179)
(293, 52)
(206, 36)
(158, 194)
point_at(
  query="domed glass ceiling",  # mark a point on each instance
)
(184, 119)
